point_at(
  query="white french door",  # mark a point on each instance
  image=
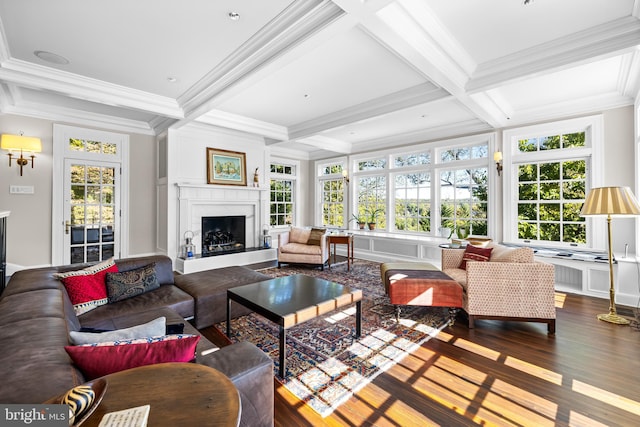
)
(92, 211)
(89, 195)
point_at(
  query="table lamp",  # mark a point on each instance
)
(611, 201)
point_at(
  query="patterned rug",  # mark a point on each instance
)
(326, 365)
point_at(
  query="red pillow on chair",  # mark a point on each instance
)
(474, 253)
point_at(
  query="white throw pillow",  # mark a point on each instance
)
(150, 329)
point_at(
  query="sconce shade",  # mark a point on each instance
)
(19, 142)
(497, 156)
(618, 201)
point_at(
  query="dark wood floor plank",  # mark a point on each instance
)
(502, 373)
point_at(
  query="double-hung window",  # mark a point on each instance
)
(332, 189)
(283, 177)
(550, 171)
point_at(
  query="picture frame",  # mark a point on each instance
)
(226, 167)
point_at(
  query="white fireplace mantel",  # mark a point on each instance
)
(198, 200)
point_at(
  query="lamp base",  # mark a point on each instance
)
(613, 318)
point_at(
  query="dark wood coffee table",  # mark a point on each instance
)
(291, 300)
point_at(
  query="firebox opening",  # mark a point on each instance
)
(223, 234)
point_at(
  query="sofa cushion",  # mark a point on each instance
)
(299, 235)
(513, 255)
(315, 236)
(127, 284)
(457, 274)
(153, 328)
(86, 287)
(99, 359)
(474, 253)
(301, 248)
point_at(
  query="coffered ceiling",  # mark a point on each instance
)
(318, 78)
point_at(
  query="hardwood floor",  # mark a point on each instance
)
(502, 373)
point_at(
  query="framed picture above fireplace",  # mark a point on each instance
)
(226, 167)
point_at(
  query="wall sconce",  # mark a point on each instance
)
(345, 175)
(23, 143)
(497, 156)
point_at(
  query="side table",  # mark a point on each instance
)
(341, 239)
(180, 394)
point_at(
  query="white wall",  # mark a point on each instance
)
(29, 226)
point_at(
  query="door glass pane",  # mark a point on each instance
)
(92, 212)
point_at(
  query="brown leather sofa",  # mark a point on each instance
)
(36, 316)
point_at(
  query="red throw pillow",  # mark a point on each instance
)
(87, 288)
(97, 360)
(474, 253)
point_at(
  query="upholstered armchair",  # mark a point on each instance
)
(510, 286)
(303, 246)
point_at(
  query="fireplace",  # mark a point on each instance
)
(223, 234)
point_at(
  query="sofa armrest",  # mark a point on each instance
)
(511, 289)
(283, 239)
(251, 371)
(451, 258)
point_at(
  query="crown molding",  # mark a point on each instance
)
(602, 41)
(4, 44)
(629, 81)
(244, 124)
(47, 78)
(300, 21)
(290, 153)
(84, 118)
(436, 133)
(410, 97)
(574, 107)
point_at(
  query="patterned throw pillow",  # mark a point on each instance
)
(474, 253)
(86, 288)
(99, 359)
(130, 283)
(315, 237)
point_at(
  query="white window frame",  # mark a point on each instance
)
(593, 151)
(434, 169)
(296, 188)
(319, 165)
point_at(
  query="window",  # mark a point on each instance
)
(282, 194)
(413, 202)
(332, 194)
(551, 168)
(435, 185)
(464, 201)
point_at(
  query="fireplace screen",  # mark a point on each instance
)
(223, 234)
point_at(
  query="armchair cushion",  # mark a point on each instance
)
(301, 248)
(473, 253)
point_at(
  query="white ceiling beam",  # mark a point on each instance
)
(407, 98)
(325, 143)
(244, 124)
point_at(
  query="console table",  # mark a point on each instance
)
(341, 239)
(3, 249)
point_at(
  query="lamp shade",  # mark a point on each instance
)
(618, 201)
(19, 142)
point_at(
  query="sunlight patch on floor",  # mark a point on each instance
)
(477, 349)
(533, 370)
(560, 298)
(607, 397)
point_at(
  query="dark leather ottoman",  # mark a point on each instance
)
(209, 291)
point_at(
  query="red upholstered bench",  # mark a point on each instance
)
(422, 284)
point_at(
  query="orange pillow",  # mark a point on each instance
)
(474, 253)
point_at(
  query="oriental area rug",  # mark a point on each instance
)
(326, 364)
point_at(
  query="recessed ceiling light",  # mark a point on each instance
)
(50, 57)
(172, 79)
(234, 16)
(306, 96)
